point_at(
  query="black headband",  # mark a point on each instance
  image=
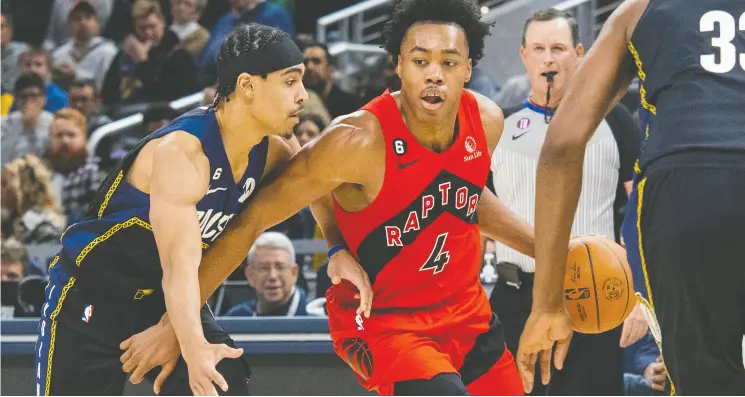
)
(276, 56)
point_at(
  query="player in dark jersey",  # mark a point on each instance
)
(138, 250)
(690, 183)
(407, 176)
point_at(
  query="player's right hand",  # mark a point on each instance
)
(542, 330)
(656, 374)
(343, 266)
(156, 346)
(201, 359)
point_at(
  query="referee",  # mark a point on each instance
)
(551, 52)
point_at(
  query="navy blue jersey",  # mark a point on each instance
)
(115, 246)
(690, 57)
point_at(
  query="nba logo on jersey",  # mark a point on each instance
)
(358, 320)
(87, 313)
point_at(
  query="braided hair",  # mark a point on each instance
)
(244, 39)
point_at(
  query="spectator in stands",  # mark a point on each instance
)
(30, 213)
(393, 82)
(84, 97)
(272, 271)
(13, 260)
(514, 91)
(319, 68)
(30, 19)
(10, 52)
(86, 55)
(186, 13)
(309, 127)
(245, 11)
(155, 117)
(315, 105)
(483, 83)
(26, 130)
(75, 174)
(58, 32)
(38, 61)
(152, 66)
(644, 371)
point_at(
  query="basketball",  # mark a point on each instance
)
(598, 288)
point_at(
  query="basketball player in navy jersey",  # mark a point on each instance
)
(690, 183)
(138, 251)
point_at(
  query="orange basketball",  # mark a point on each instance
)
(598, 289)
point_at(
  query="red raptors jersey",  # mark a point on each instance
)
(419, 240)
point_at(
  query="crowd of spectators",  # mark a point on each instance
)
(70, 67)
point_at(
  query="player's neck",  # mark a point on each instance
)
(436, 136)
(239, 131)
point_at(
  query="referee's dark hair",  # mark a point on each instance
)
(550, 14)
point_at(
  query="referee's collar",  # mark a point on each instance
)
(537, 108)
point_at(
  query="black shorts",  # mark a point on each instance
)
(692, 227)
(77, 352)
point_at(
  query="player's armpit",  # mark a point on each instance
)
(178, 180)
(313, 172)
(500, 223)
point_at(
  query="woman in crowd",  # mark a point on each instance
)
(29, 211)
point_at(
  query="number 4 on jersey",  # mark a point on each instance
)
(438, 258)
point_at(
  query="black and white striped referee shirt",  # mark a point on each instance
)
(609, 162)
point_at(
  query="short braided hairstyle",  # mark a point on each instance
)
(244, 39)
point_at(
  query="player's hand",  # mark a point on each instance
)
(656, 374)
(634, 327)
(343, 265)
(156, 346)
(201, 359)
(542, 330)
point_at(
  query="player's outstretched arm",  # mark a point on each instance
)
(179, 179)
(313, 172)
(603, 76)
(598, 84)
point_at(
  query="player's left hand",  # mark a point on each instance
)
(156, 346)
(542, 330)
(634, 327)
(343, 265)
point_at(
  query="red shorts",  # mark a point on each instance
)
(399, 345)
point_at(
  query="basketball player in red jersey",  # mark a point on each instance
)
(407, 176)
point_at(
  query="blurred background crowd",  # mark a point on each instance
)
(84, 81)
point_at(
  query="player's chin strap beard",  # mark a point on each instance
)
(550, 80)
